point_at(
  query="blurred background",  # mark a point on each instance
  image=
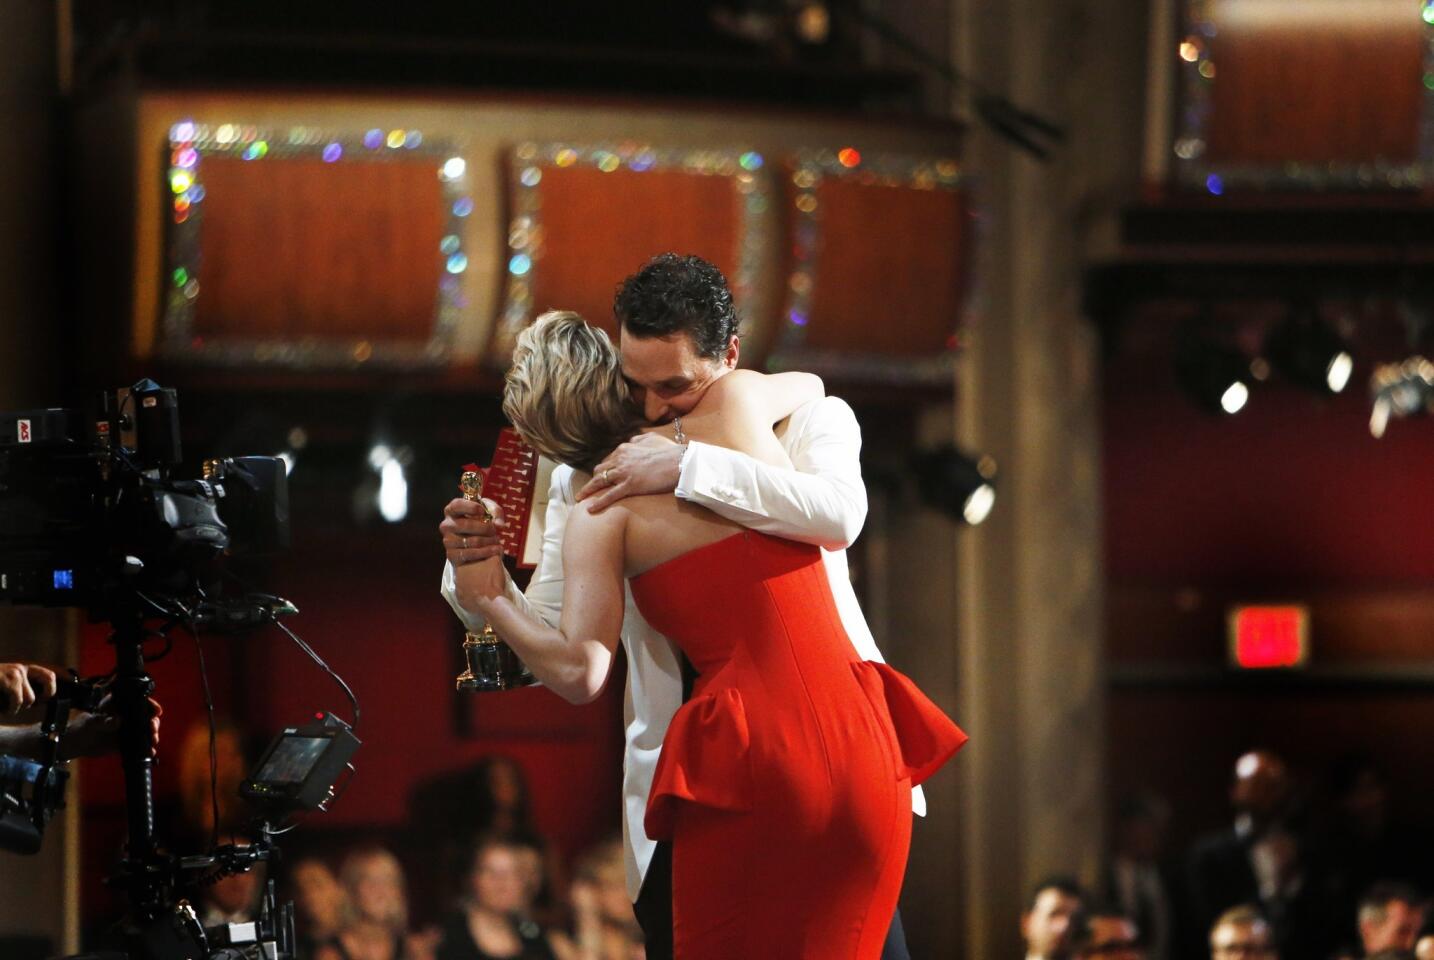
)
(1160, 269)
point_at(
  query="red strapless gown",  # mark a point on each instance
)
(785, 782)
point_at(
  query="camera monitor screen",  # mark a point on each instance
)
(292, 759)
(301, 766)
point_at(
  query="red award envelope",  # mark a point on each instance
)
(518, 480)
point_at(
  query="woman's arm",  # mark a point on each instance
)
(575, 658)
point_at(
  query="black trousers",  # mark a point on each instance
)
(654, 905)
(654, 912)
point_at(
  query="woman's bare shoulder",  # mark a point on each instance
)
(585, 521)
(751, 384)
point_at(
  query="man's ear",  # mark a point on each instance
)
(734, 348)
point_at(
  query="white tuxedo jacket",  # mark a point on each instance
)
(823, 503)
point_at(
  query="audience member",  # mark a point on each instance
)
(450, 812)
(1107, 934)
(1046, 924)
(234, 899)
(495, 920)
(604, 926)
(1365, 844)
(1390, 915)
(1136, 880)
(319, 905)
(375, 921)
(1242, 933)
(1259, 859)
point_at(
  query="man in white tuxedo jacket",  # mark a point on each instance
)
(821, 501)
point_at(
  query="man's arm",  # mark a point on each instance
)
(822, 501)
(25, 689)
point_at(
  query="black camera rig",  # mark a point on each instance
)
(91, 517)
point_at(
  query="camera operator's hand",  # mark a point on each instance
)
(92, 734)
(22, 685)
(467, 536)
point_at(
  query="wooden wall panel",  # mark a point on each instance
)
(890, 273)
(1306, 95)
(295, 248)
(1346, 90)
(704, 180)
(598, 228)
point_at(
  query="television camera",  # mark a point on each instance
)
(92, 516)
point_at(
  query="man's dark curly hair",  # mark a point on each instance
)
(678, 294)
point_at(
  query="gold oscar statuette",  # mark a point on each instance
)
(492, 664)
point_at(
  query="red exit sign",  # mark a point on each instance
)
(1262, 637)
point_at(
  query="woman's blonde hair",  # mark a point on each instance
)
(351, 874)
(565, 394)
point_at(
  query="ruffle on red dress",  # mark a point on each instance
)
(924, 737)
(704, 760)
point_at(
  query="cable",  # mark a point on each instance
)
(1024, 128)
(213, 744)
(213, 731)
(353, 700)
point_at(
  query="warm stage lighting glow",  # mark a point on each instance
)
(1338, 14)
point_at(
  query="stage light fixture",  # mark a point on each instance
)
(391, 497)
(1400, 390)
(1216, 377)
(956, 484)
(1307, 352)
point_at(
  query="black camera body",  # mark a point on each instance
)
(89, 512)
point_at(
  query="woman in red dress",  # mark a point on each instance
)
(785, 781)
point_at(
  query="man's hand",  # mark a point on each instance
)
(648, 463)
(467, 537)
(24, 684)
(91, 734)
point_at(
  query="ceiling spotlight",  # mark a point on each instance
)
(956, 484)
(1217, 377)
(1307, 352)
(391, 497)
(1400, 390)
